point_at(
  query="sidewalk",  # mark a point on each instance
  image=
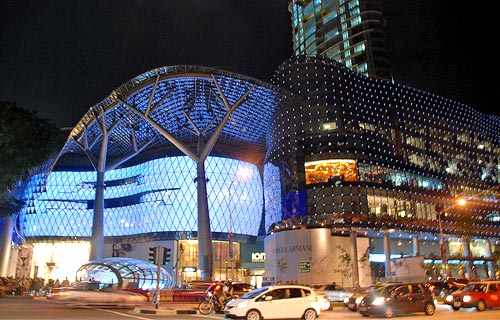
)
(169, 308)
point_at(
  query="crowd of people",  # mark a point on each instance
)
(26, 286)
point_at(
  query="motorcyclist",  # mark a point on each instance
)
(216, 288)
(227, 292)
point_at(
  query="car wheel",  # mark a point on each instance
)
(456, 308)
(429, 309)
(253, 315)
(310, 314)
(481, 305)
(389, 312)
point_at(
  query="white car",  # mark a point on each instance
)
(276, 302)
(324, 304)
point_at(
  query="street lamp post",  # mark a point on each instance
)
(442, 243)
(442, 246)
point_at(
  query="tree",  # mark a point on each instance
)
(26, 141)
(344, 264)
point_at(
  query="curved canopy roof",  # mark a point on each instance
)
(126, 273)
(180, 102)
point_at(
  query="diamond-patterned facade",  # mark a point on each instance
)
(153, 191)
(156, 196)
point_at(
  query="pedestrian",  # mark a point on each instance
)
(65, 282)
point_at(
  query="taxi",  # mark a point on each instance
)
(477, 294)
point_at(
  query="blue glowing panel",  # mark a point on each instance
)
(155, 196)
(272, 194)
(294, 204)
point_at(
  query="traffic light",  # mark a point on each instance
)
(152, 255)
(166, 255)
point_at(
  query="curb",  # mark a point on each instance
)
(165, 311)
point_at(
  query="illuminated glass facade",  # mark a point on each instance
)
(365, 153)
(349, 31)
(154, 196)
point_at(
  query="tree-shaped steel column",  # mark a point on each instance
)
(100, 165)
(205, 144)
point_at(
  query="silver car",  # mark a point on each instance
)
(334, 292)
(86, 293)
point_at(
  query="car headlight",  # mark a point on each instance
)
(467, 298)
(449, 298)
(346, 300)
(358, 300)
(378, 301)
(242, 304)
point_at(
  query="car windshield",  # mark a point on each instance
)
(254, 293)
(375, 289)
(380, 290)
(475, 287)
(86, 285)
(333, 287)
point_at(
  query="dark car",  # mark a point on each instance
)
(240, 288)
(398, 299)
(353, 301)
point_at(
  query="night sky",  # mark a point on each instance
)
(60, 57)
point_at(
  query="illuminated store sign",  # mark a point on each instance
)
(189, 269)
(258, 257)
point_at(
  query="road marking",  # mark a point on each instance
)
(123, 314)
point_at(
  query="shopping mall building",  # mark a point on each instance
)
(322, 175)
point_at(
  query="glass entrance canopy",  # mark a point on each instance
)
(127, 273)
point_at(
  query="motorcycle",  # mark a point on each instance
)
(211, 301)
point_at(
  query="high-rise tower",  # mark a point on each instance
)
(349, 31)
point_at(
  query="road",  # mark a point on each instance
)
(42, 309)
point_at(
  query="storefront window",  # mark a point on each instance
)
(332, 169)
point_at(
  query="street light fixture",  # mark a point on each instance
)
(442, 245)
(242, 174)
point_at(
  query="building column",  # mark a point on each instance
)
(8, 225)
(387, 251)
(97, 238)
(205, 250)
(489, 254)
(354, 259)
(467, 255)
(416, 246)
